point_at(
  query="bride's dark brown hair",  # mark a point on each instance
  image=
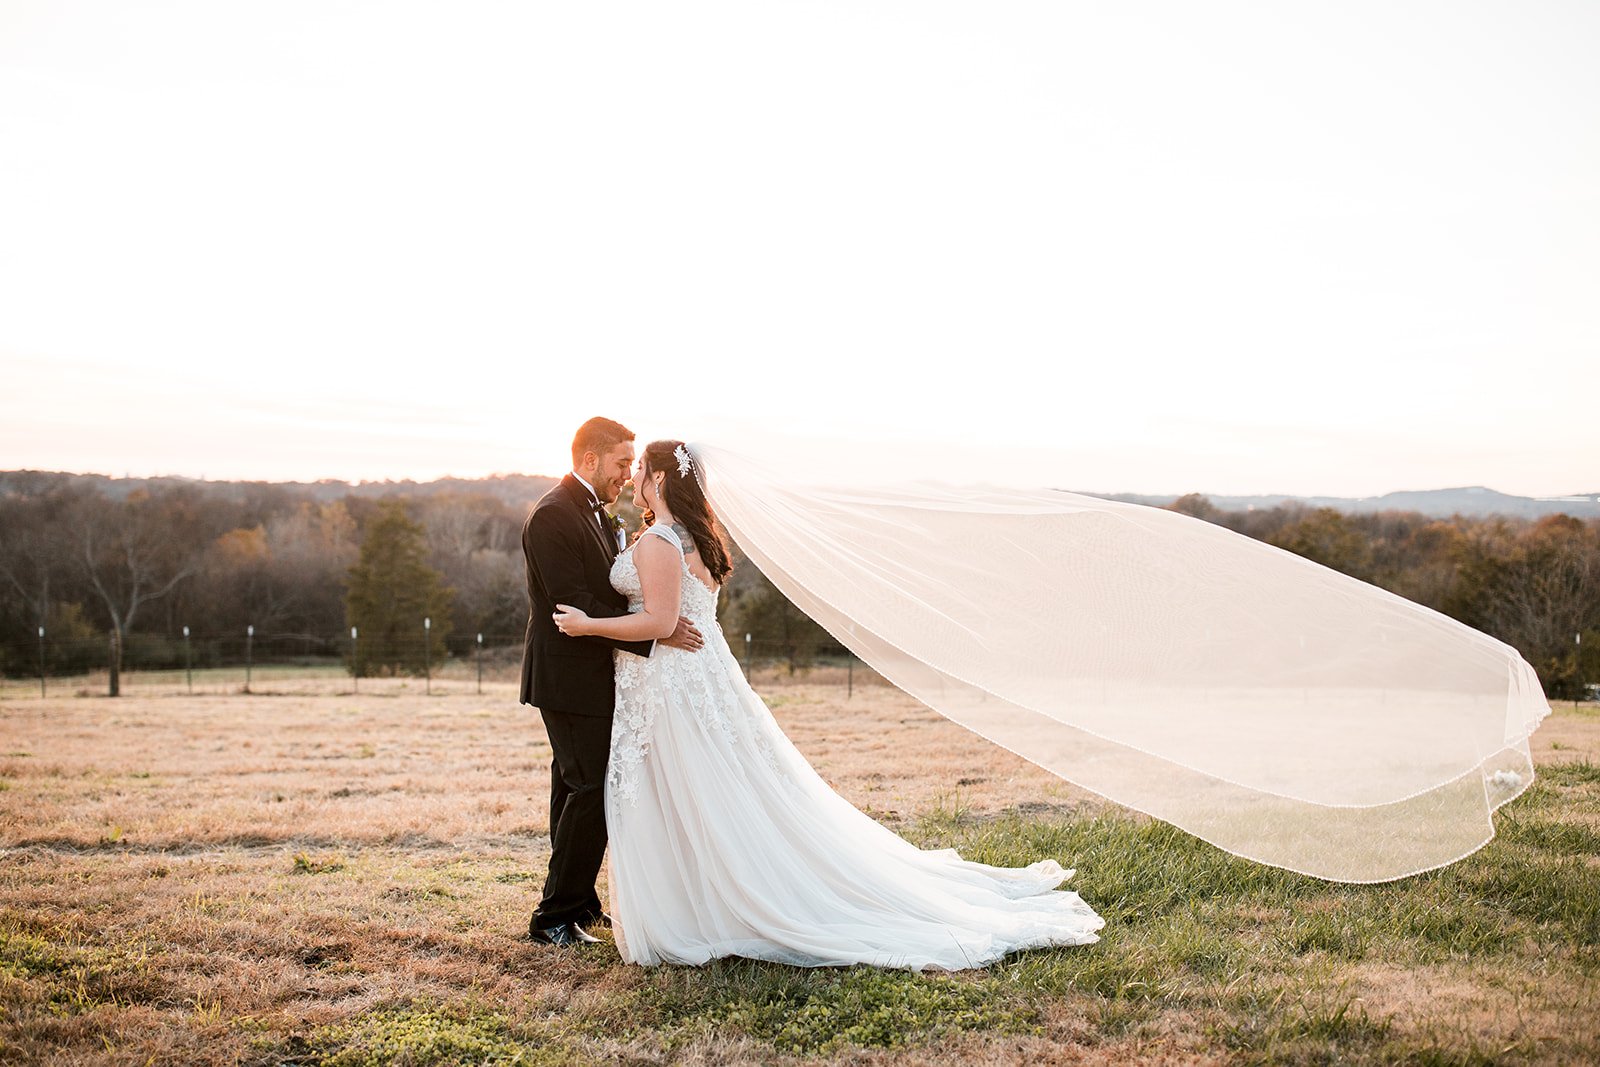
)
(686, 499)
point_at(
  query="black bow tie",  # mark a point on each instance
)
(597, 505)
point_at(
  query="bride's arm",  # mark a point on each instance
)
(661, 579)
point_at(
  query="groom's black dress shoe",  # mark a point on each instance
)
(563, 934)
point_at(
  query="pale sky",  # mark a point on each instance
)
(1228, 247)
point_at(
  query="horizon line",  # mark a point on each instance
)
(1581, 497)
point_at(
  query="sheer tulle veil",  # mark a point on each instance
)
(1274, 707)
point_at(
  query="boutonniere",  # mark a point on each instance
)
(617, 525)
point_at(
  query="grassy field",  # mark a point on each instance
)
(310, 875)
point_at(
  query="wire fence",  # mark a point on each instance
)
(213, 663)
(222, 664)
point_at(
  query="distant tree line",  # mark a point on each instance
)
(115, 573)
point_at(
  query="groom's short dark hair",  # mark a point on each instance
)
(598, 436)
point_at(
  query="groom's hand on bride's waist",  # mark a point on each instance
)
(685, 636)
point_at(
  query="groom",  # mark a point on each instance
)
(570, 542)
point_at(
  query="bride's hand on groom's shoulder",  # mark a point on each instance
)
(570, 620)
(684, 636)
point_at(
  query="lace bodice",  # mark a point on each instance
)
(698, 602)
(697, 683)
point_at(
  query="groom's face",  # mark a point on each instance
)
(613, 473)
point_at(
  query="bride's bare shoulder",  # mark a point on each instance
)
(655, 547)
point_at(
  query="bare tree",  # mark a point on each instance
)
(475, 542)
(312, 550)
(455, 529)
(131, 557)
(30, 554)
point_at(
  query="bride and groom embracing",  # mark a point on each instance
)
(724, 840)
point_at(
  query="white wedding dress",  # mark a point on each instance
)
(725, 841)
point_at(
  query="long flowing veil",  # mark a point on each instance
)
(1274, 707)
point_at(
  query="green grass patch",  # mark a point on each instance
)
(1568, 839)
(1257, 952)
(1174, 904)
(808, 1011)
(70, 978)
(1321, 1026)
(1577, 773)
(305, 863)
(435, 1037)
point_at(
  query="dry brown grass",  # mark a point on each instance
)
(225, 878)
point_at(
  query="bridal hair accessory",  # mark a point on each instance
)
(681, 454)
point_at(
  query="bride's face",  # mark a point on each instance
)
(644, 486)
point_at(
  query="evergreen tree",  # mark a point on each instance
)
(391, 591)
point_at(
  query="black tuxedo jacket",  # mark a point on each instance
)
(569, 562)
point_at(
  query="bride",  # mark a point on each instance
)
(724, 840)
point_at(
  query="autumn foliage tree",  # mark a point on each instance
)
(1331, 539)
(275, 575)
(1536, 590)
(391, 590)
